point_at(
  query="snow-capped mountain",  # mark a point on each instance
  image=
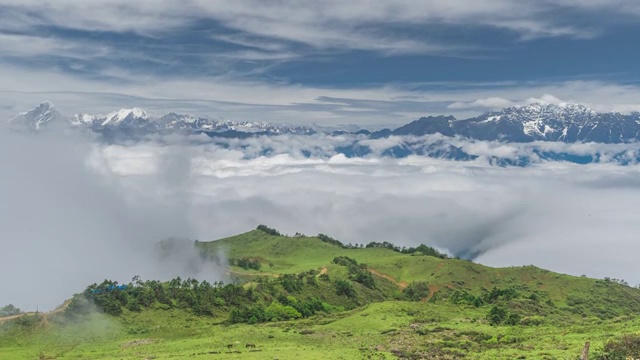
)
(544, 122)
(137, 122)
(537, 122)
(44, 115)
(528, 128)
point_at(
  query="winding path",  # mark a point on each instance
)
(401, 284)
(60, 309)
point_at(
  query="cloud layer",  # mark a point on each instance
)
(74, 213)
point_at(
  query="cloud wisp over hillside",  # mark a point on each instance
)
(65, 226)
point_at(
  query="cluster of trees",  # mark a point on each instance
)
(203, 298)
(269, 300)
(500, 312)
(357, 272)
(246, 263)
(268, 230)
(617, 281)
(463, 297)
(420, 249)
(499, 315)
(9, 310)
(329, 240)
(283, 308)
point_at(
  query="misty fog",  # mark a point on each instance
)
(64, 226)
(73, 212)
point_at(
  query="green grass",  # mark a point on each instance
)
(580, 310)
(375, 330)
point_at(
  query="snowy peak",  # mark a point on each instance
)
(125, 114)
(551, 122)
(566, 112)
(36, 119)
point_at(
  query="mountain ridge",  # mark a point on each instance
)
(568, 123)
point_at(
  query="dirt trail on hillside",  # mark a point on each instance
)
(13, 317)
(440, 265)
(60, 309)
(401, 284)
(433, 289)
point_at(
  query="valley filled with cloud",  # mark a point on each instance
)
(67, 197)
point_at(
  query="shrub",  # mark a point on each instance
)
(344, 261)
(416, 291)
(497, 315)
(277, 311)
(531, 320)
(513, 319)
(345, 288)
(625, 347)
(247, 263)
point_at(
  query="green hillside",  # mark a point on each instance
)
(314, 298)
(288, 255)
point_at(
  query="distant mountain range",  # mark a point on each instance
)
(543, 122)
(567, 123)
(137, 122)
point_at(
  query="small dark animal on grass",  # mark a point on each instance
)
(250, 345)
(229, 346)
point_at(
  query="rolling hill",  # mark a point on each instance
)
(307, 297)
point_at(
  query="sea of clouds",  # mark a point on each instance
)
(74, 211)
(435, 145)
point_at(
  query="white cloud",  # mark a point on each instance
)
(331, 24)
(488, 103)
(545, 99)
(150, 15)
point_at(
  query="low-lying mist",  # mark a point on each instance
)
(74, 213)
(64, 226)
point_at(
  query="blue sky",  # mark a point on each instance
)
(372, 63)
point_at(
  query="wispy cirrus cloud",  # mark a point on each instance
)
(303, 27)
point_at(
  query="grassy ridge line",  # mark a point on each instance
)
(288, 255)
